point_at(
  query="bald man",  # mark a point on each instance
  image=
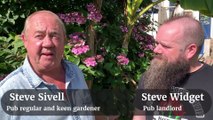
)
(44, 67)
(176, 66)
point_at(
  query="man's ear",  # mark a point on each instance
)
(24, 40)
(191, 51)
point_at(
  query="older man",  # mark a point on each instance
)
(178, 44)
(44, 67)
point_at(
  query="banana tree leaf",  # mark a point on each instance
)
(204, 6)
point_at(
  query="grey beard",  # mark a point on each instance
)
(163, 75)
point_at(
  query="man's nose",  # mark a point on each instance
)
(158, 49)
(47, 42)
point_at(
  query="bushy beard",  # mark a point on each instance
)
(163, 75)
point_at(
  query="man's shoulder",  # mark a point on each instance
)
(70, 64)
(76, 75)
(11, 76)
(72, 68)
(12, 80)
(208, 69)
(209, 66)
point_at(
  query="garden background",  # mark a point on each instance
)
(107, 39)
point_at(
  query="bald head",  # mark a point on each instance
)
(42, 13)
(191, 29)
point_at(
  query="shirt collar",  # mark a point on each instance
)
(32, 77)
(35, 81)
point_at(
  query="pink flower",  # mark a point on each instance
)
(77, 36)
(90, 61)
(79, 43)
(94, 13)
(122, 60)
(79, 46)
(141, 55)
(99, 58)
(78, 50)
(149, 47)
(124, 29)
(74, 17)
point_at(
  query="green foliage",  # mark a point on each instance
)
(12, 16)
(107, 74)
(12, 53)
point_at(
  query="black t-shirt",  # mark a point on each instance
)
(201, 79)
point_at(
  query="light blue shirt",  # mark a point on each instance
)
(25, 78)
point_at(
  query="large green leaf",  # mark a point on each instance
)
(204, 6)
